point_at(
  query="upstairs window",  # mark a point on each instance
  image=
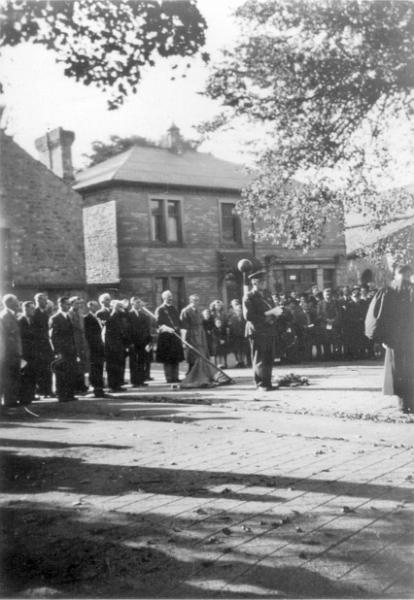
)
(230, 224)
(166, 221)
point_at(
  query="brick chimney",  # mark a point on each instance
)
(174, 140)
(55, 152)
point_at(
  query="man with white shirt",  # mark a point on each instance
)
(63, 342)
(93, 334)
(10, 351)
(140, 332)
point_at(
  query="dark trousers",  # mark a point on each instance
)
(147, 364)
(28, 383)
(115, 371)
(96, 374)
(10, 382)
(66, 378)
(137, 365)
(171, 372)
(263, 352)
(44, 375)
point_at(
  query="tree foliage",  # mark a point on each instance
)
(103, 150)
(106, 42)
(328, 78)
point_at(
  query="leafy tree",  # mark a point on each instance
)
(328, 79)
(106, 42)
(103, 150)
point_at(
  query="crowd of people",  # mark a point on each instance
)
(66, 349)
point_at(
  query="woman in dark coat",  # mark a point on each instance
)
(390, 320)
(169, 346)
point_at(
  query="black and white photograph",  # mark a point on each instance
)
(207, 299)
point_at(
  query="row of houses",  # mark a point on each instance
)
(141, 222)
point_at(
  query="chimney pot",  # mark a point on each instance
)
(175, 142)
(55, 151)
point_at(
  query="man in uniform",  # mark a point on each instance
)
(261, 316)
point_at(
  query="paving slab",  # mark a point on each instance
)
(223, 492)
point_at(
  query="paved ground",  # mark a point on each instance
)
(301, 492)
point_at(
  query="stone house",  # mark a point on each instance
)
(158, 218)
(40, 220)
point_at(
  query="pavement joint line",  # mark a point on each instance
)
(407, 569)
(215, 467)
(307, 533)
(113, 498)
(302, 494)
(211, 501)
(377, 551)
(215, 500)
(311, 532)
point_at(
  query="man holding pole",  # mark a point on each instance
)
(169, 347)
(261, 316)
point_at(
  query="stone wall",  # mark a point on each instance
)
(42, 217)
(142, 261)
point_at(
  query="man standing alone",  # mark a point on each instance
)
(261, 315)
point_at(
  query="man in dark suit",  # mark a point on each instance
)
(169, 345)
(63, 342)
(29, 349)
(116, 342)
(44, 352)
(10, 351)
(140, 332)
(93, 334)
(261, 315)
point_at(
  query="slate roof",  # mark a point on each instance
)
(162, 167)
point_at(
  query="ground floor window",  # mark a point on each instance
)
(298, 280)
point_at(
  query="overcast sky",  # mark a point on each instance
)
(39, 97)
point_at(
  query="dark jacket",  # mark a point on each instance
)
(255, 306)
(140, 329)
(41, 332)
(169, 346)
(11, 341)
(116, 338)
(29, 339)
(93, 334)
(61, 335)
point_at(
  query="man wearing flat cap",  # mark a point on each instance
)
(261, 315)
